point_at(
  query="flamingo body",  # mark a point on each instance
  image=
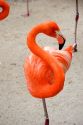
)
(40, 77)
(5, 9)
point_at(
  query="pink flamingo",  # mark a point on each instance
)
(45, 68)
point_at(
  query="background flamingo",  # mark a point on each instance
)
(45, 68)
(5, 9)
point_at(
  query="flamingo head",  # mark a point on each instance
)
(53, 30)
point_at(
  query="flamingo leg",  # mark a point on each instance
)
(27, 14)
(45, 112)
(27, 8)
(76, 22)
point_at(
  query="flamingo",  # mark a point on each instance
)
(5, 9)
(45, 68)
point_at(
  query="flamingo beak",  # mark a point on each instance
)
(61, 39)
(61, 45)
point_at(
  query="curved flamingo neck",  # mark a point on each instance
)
(31, 42)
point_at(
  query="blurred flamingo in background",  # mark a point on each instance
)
(4, 9)
(45, 68)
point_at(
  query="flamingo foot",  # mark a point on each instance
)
(47, 121)
(26, 15)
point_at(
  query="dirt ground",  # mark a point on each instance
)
(17, 106)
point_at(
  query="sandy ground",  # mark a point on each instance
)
(17, 106)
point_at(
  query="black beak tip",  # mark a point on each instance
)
(61, 45)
